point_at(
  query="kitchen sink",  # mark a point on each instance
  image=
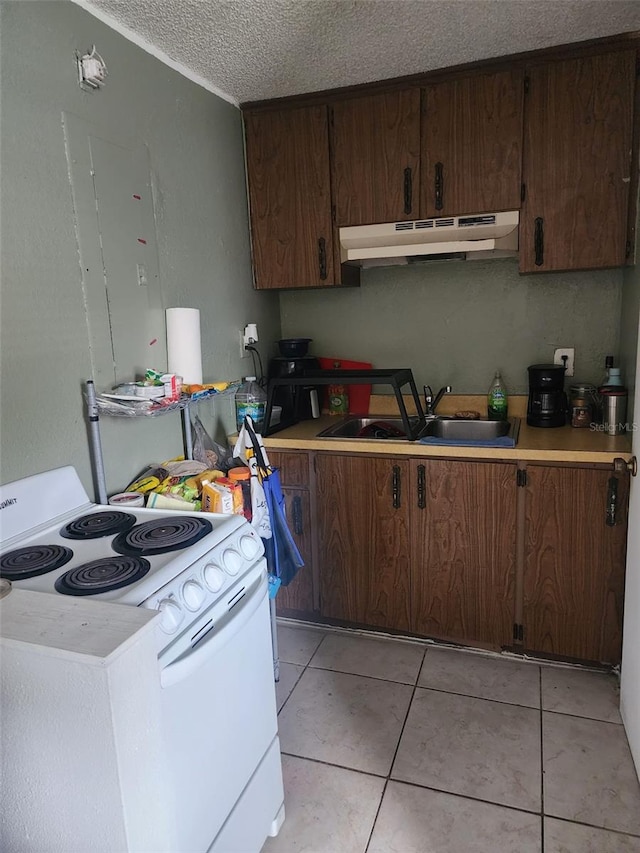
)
(460, 429)
(444, 430)
(379, 428)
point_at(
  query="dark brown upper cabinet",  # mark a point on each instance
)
(290, 198)
(577, 163)
(376, 158)
(472, 144)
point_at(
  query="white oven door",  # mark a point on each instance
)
(219, 713)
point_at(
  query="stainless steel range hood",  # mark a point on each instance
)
(477, 236)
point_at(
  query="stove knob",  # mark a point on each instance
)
(232, 562)
(170, 615)
(213, 577)
(249, 547)
(193, 595)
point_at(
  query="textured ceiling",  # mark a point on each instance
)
(255, 49)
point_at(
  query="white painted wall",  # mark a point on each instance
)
(630, 680)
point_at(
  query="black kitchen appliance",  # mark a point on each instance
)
(299, 402)
(547, 405)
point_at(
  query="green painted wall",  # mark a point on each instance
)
(197, 170)
(456, 322)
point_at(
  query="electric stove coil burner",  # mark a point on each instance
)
(95, 525)
(33, 560)
(171, 533)
(102, 575)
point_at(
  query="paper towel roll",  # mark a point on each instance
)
(184, 352)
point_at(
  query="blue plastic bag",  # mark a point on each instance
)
(283, 557)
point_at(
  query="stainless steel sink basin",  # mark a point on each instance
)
(459, 429)
(378, 428)
(449, 430)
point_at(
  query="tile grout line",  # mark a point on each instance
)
(300, 674)
(593, 826)
(395, 752)
(388, 778)
(535, 813)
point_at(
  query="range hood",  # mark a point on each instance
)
(467, 237)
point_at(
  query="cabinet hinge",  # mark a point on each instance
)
(331, 116)
(518, 632)
(521, 477)
(627, 249)
(523, 192)
(526, 85)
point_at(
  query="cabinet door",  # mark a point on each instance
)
(376, 158)
(294, 476)
(298, 595)
(472, 145)
(574, 563)
(363, 524)
(577, 163)
(290, 197)
(463, 550)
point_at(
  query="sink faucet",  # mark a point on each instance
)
(430, 404)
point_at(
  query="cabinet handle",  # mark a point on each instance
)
(538, 241)
(395, 489)
(422, 496)
(408, 189)
(621, 465)
(439, 186)
(612, 501)
(296, 512)
(322, 257)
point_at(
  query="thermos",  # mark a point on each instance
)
(614, 408)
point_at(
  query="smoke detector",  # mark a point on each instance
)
(91, 70)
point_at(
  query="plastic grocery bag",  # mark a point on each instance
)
(206, 450)
(283, 557)
(281, 552)
(245, 449)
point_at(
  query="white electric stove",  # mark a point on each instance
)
(205, 574)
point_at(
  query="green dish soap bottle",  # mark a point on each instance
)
(497, 402)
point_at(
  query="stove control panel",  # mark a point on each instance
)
(171, 615)
(205, 581)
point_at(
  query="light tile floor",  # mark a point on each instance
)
(391, 746)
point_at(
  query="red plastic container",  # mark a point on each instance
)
(359, 395)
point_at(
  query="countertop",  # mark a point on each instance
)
(562, 444)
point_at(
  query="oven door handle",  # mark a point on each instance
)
(230, 624)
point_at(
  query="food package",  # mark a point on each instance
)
(236, 493)
(216, 498)
(149, 480)
(170, 502)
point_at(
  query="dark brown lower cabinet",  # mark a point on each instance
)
(458, 551)
(297, 598)
(575, 547)
(363, 539)
(463, 536)
(426, 547)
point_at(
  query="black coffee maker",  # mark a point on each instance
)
(547, 405)
(299, 402)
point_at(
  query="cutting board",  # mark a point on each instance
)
(359, 395)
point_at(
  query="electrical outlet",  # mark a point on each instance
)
(243, 352)
(571, 357)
